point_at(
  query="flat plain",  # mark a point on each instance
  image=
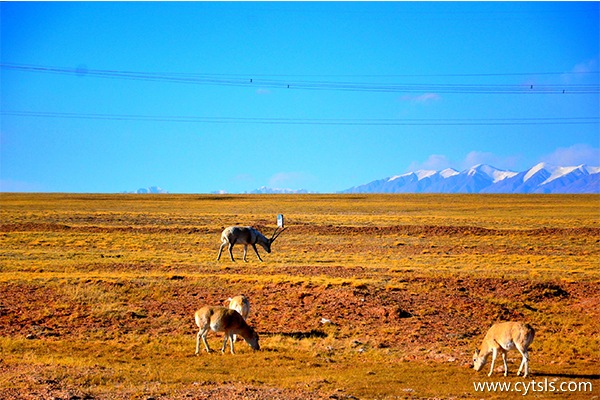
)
(363, 296)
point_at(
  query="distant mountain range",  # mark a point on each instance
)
(542, 178)
(151, 190)
(268, 190)
(481, 178)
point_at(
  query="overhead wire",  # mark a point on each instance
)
(267, 81)
(313, 121)
(346, 85)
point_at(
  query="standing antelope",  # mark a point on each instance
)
(221, 319)
(246, 235)
(242, 305)
(503, 337)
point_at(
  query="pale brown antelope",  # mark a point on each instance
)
(246, 235)
(503, 337)
(221, 319)
(241, 304)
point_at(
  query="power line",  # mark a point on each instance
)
(83, 70)
(311, 121)
(261, 80)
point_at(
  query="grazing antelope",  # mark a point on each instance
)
(221, 319)
(503, 337)
(246, 235)
(242, 306)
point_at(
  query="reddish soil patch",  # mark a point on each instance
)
(312, 229)
(436, 319)
(425, 312)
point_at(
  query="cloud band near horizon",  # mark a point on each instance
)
(577, 154)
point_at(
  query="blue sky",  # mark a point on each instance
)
(219, 96)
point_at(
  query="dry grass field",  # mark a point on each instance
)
(97, 294)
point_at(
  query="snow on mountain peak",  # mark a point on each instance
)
(534, 170)
(482, 178)
(270, 190)
(559, 172)
(422, 174)
(395, 177)
(501, 175)
(448, 172)
(593, 170)
(495, 174)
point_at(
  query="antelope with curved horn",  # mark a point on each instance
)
(246, 235)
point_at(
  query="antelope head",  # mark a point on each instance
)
(276, 235)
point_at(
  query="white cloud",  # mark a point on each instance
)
(477, 157)
(586, 67)
(424, 98)
(574, 155)
(484, 157)
(439, 162)
(435, 162)
(291, 180)
(244, 178)
(564, 156)
(581, 71)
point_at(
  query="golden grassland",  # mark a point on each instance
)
(98, 293)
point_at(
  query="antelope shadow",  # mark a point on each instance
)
(566, 375)
(313, 333)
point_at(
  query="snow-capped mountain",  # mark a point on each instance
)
(268, 190)
(151, 190)
(482, 178)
